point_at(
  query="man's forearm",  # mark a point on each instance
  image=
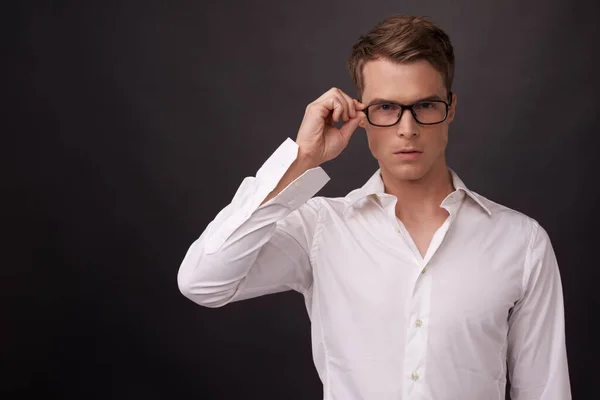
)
(297, 168)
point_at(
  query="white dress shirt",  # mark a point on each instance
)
(387, 323)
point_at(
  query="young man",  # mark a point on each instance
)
(416, 286)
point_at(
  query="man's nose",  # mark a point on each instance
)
(407, 126)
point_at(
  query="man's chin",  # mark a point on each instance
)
(406, 172)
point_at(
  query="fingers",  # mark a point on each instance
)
(358, 105)
(340, 110)
(349, 105)
(339, 104)
(350, 126)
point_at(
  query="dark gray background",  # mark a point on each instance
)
(132, 124)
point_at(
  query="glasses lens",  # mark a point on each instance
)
(430, 112)
(426, 112)
(384, 114)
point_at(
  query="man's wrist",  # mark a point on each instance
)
(306, 161)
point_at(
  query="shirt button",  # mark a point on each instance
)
(424, 270)
(414, 376)
(419, 323)
(297, 184)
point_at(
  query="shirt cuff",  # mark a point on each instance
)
(300, 190)
(253, 191)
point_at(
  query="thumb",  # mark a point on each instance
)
(350, 126)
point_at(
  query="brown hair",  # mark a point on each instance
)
(403, 38)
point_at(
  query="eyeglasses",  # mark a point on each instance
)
(429, 112)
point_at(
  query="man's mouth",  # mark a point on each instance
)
(407, 151)
(408, 154)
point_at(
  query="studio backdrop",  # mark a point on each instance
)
(132, 123)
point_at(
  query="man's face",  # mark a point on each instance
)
(406, 83)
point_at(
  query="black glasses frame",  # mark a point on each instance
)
(412, 111)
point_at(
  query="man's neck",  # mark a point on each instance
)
(420, 198)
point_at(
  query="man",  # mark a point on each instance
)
(416, 286)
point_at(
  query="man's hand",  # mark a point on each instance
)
(319, 140)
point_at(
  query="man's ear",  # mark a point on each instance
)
(452, 110)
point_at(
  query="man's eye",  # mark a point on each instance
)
(387, 107)
(425, 105)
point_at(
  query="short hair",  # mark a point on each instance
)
(403, 38)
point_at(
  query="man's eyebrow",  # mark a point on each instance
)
(380, 100)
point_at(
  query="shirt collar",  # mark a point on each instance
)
(374, 186)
